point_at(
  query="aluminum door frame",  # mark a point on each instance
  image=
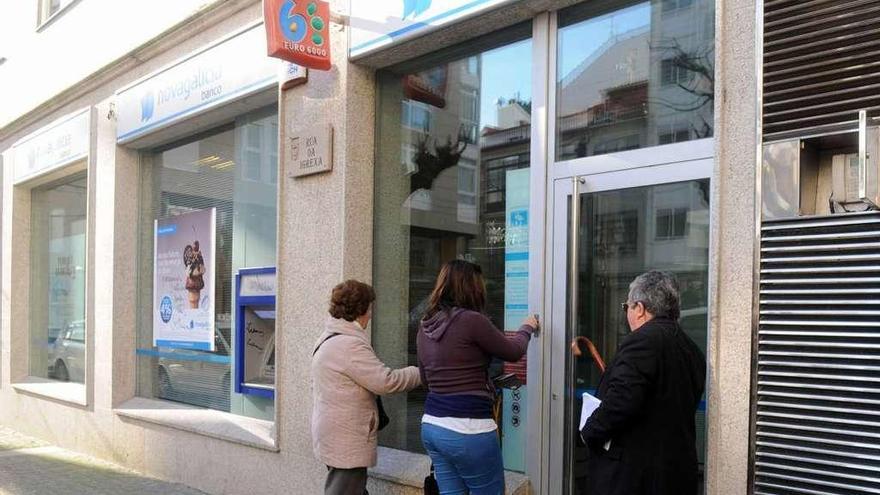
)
(557, 278)
(678, 161)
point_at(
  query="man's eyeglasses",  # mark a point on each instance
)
(624, 306)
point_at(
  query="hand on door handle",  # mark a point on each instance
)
(532, 321)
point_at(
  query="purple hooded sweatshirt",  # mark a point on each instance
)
(455, 348)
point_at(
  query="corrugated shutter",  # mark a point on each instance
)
(818, 365)
(821, 65)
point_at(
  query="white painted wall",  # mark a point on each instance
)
(89, 34)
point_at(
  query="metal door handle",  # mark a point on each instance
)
(863, 155)
(573, 252)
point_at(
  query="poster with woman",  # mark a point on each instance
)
(183, 281)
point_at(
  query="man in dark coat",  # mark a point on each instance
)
(641, 439)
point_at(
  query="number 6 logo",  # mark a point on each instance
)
(299, 31)
(293, 25)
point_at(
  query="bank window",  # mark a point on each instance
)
(416, 116)
(408, 157)
(259, 151)
(469, 113)
(207, 210)
(58, 280)
(496, 177)
(627, 71)
(455, 204)
(48, 8)
(467, 191)
(673, 133)
(618, 144)
(674, 71)
(671, 224)
(473, 65)
(467, 179)
(673, 5)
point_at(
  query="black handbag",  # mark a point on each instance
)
(383, 417)
(431, 487)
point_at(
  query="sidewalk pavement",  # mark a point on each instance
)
(31, 467)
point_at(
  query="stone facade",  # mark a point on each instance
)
(325, 234)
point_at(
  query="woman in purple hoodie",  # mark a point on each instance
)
(456, 343)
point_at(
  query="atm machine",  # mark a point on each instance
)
(255, 331)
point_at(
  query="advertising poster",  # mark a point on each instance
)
(516, 257)
(183, 281)
(516, 309)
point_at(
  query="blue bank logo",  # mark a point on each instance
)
(415, 8)
(519, 218)
(165, 309)
(293, 25)
(148, 105)
(167, 230)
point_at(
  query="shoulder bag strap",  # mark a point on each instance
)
(322, 342)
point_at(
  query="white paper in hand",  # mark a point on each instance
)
(590, 404)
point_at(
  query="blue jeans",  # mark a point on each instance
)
(465, 464)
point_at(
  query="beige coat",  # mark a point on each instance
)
(347, 377)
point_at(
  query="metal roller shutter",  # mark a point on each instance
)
(817, 404)
(821, 65)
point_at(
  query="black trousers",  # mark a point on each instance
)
(346, 481)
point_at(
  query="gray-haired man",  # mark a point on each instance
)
(641, 439)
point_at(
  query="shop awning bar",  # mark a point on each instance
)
(818, 408)
(860, 290)
(777, 8)
(820, 440)
(808, 222)
(769, 384)
(809, 19)
(826, 259)
(805, 428)
(836, 398)
(835, 236)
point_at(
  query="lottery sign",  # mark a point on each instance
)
(299, 31)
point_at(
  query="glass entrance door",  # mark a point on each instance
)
(622, 224)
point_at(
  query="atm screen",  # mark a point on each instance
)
(265, 314)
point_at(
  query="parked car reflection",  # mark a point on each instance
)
(67, 354)
(197, 378)
(54, 333)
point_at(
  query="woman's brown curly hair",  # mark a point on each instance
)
(351, 299)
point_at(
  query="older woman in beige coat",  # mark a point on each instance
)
(347, 378)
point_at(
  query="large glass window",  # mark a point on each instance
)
(461, 124)
(640, 75)
(58, 280)
(232, 172)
